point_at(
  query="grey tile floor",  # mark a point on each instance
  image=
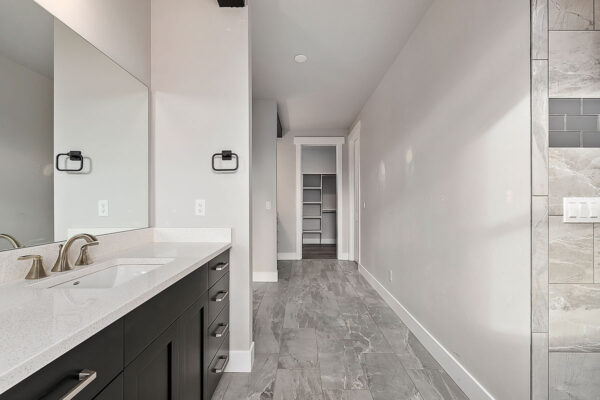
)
(323, 333)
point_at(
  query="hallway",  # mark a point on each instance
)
(322, 332)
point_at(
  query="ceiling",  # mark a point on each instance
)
(350, 44)
(26, 35)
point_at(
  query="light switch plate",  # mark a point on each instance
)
(103, 208)
(581, 210)
(200, 209)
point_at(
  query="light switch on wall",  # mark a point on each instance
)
(200, 208)
(103, 208)
(581, 209)
(268, 205)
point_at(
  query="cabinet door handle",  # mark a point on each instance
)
(219, 370)
(221, 330)
(221, 296)
(85, 377)
(221, 266)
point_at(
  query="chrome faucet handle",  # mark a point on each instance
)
(37, 269)
(84, 257)
(56, 267)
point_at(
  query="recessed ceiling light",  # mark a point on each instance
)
(300, 58)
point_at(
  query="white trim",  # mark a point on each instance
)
(241, 360)
(344, 256)
(338, 141)
(353, 138)
(472, 388)
(287, 256)
(262, 276)
(320, 140)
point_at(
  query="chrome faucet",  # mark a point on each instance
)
(63, 263)
(13, 242)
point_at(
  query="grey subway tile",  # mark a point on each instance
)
(565, 139)
(557, 123)
(565, 106)
(591, 106)
(582, 123)
(590, 139)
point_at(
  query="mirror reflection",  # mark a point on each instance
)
(73, 134)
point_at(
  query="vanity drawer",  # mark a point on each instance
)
(102, 354)
(148, 321)
(217, 332)
(218, 298)
(218, 267)
(217, 367)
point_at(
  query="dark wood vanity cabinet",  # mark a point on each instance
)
(175, 346)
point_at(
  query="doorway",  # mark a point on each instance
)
(318, 197)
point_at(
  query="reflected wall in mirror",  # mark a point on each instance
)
(58, 93)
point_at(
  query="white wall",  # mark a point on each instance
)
(445, 157)
(26, 201)
(119, 28)
(264, 189)
(318, 159)
(201, 102)
(101, 110)
(286, 189)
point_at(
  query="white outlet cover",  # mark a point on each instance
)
(103, 208)
(200, 208)
(268, 205)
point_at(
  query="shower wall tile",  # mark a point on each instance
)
(573, 173)
(539, 265)
(539, 29)
(571, 252)
(539, 127)
(574, 15)
(574, 376)
(575, 318)
(539, 366)
(565, 106)
(597, 14)
(596, 253)
(574, 63)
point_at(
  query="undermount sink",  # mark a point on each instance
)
(104, 275)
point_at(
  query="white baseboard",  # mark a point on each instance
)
(260, 276)
(287, 256)
(472, 388)
(241, 360)
(343, 256)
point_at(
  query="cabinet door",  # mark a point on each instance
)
(193, 326)
(154, 374)
(114, 391)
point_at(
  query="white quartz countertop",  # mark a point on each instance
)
(38, 325)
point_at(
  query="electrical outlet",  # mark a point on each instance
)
(268, 205)
(390, 275)
(103, 208)
(200, 207)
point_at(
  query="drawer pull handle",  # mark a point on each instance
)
(221, 330)
(221, 296)
(85, 377)
(220, 370)
(221, 266)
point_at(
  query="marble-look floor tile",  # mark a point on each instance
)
(298, 349)
(571, 252)
(262, 378)
(366, 336)
(575, 318)
(571, 15)
(574, 64)
(539, 264)
(268, 324)
(539, 366)
(342, 369)
(233, 386)
(347, 395)
(298, 384)
(539, 29)
(574, 376)
(307, 315)
(436, 385)
(574, 172)
(393, 387)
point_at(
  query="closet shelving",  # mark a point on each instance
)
(319, 207)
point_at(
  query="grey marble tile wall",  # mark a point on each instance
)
(571, 15)
(574, 122)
